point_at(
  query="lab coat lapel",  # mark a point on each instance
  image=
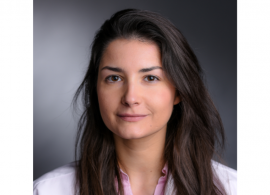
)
(169, 188)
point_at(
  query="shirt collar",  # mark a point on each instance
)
(162, 179)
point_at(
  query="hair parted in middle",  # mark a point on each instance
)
(194, 130)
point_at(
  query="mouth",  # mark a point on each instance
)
(131, 117)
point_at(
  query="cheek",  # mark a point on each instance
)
(108, 101)
(162, 98)
(161, 104)
(104, 102)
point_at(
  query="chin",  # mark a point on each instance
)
(132, 133)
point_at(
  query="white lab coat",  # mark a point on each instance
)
(61, 181)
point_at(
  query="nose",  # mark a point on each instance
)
(132, 95)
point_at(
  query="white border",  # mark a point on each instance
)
(253, 102)
(16, 97)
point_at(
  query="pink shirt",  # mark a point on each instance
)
(159, 188)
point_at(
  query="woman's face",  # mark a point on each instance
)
(135, 97)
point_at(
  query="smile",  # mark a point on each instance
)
(131, 118)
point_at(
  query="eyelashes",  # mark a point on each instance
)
(152, 78)
(113, 78)
(116, 78)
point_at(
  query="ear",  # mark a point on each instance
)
(177, 98)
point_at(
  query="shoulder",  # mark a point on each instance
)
(59, 181)
(227, 176)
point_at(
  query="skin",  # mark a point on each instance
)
(140, 144)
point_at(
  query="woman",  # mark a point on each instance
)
(149, 125)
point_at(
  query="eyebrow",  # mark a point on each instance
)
(121, 70)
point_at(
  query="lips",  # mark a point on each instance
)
(131, 117)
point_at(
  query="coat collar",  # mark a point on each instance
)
(169, 188)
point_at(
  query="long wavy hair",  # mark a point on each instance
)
(194, 130)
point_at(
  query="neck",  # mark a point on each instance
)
(141, 158)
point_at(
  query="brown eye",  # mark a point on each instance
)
(113, 78)
(151, 78)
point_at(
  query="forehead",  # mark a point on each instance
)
(131, 53)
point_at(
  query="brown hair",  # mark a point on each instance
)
(194, 131)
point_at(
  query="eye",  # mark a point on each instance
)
(151, 78)
(113, 78)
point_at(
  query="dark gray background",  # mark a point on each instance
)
(63, 32)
